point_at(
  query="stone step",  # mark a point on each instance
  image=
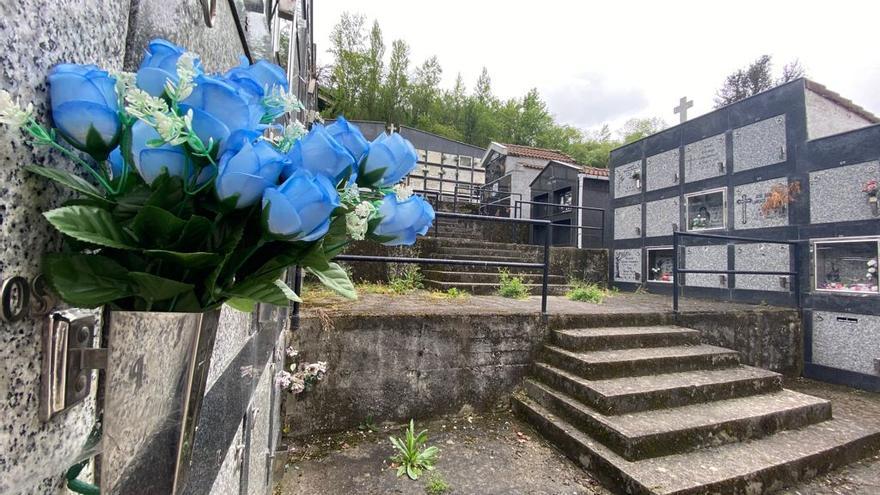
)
(490, 256)
(488, 289)
(683, 429)
(476, 268)
(595, 365)
(757, 466)
(471, 242)
(589, 339)
(511, 252)
(487, 277)
(641, 393)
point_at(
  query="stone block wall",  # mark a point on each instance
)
(393, 368)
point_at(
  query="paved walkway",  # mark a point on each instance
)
(499, 454)
(424, 302)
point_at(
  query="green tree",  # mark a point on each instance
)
(372, 91)
(425, 93)
(349, 69)
(755, 78)
(395, 91)
(636, 128)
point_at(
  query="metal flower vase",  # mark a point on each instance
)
(157, 368)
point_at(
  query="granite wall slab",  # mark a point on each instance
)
(627, 179)
(706, 258)
(846, 341)
(762, 257)
(628, 222)
(662, 217)
(759, 144)
(747, 203)
(836, 193)
(34, 36)
(705, 158)
(628, 265)
(661, 170)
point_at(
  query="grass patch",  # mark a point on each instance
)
(406, 281)
(436, 485)
(511, 286)
(587, 293)
(451, 293)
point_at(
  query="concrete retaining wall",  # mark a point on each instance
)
(401, 367)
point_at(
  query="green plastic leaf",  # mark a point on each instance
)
(68, 179)
(262, 291)
(89, 224)
(154, 288)
(157, 227)
(86, 280)
(287, 291)
(194, 233)
(242, 304)
(334, 277)
(194, 261)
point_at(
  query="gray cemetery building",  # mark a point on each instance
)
(792, 163)
(571, 187)
(511, 169)
(445, 166)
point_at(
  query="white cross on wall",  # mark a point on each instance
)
(682, 108)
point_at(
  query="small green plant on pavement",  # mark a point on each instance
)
(587, 293)
(407, 281)
(368, 425)
(511, 286)
(436, 485)
(413, 456)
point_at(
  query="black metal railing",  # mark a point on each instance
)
(544, 265)
(676, 270)
(601, 228)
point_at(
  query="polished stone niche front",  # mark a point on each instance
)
(660, 262)
(846, 266)
(762, 257)
(836, 194)
(706, 258)
(628, 222)
(748, 203)
(628, 179)
(628, 265)
(705, 158)
(846, 341)
(759, 144)
(661, 217)
(661, 170)
(706, 210)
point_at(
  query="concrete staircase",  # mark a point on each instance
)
(652, 411)
(457, 242)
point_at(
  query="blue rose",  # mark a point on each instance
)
(246, 169)
(150, 161)
(258, 80)
(116, 163)
(85, 107)
(402, 220)
(350, 136)
(159, 65)
(319, 153)
(391, 158)
(300, 208)
(219, 109)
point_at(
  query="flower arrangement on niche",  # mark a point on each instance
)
(779, 197)
(870, 188)
(199, 194)
(302, 376)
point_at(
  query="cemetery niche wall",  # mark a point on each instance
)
(797, 162)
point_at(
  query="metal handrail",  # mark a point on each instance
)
(676, 281)
(545, 265)
(601, 228)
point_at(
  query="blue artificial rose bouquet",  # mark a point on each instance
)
(199, 195)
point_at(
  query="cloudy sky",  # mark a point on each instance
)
(605, 62)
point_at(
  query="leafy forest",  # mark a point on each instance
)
(363, 87)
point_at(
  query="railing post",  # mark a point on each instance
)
(546, 276)
(297, 288)
(796, 278)
(455, 199)
(675, 280)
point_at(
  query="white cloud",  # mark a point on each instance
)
(588, 100)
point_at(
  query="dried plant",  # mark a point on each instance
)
(781, 196)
